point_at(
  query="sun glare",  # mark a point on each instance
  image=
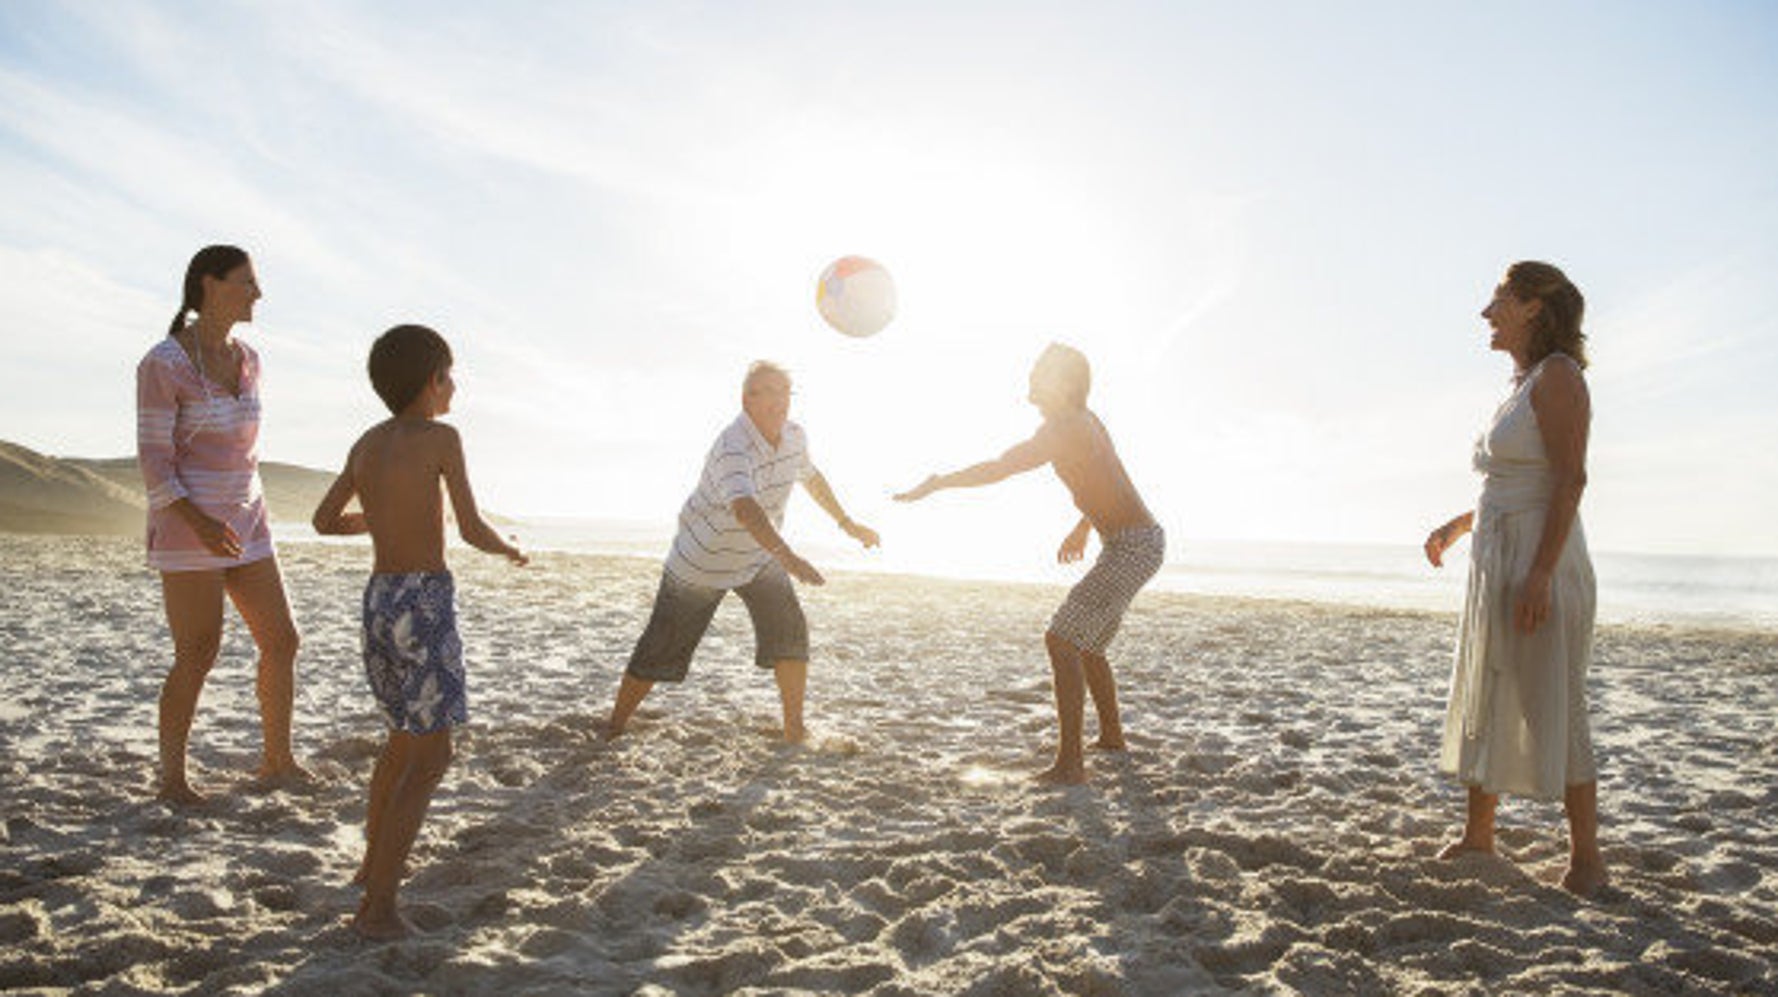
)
(983, 282)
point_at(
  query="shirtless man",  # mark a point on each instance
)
(1075, 443)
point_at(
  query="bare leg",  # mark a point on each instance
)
(194, 615)
(421, 760)
(257, 590)
(1103, 689)
(1586, 866)
(630, 693)
(382, 784)
(1070, 686)
(793, 677)
(1478, 826)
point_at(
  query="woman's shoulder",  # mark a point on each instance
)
(1558, 376)
(167, 352)
(1561, 365)
(1557, 360)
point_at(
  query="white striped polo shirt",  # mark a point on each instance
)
(712, 548)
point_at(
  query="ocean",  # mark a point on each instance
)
(1734, 593)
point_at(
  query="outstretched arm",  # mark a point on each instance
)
(331, 517)
(1029, 455)
(474, 530)
(822, 493)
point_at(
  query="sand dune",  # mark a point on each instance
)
(1270, 831)
(40, 494)
(291, 490)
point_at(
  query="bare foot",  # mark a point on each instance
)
(607, 730)
(1464, 846)
(1109, 744)
(180, 794)
(386, 929)
(795, 735)
(1057, 775)
(284, 775)
(1585, 879)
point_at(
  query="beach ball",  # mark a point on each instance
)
(856, 296)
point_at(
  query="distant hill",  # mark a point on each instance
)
(291, 491)
(42, 494)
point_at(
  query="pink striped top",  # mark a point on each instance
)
(196, 441)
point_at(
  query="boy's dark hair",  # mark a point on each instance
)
(403, 360)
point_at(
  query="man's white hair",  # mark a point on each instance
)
(762, 368)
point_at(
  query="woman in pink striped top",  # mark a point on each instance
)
(197, 433)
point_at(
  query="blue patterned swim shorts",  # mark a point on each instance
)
(412, 654)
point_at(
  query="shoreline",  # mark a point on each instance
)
(1613, 616)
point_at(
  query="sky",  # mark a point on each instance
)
(1270, 226)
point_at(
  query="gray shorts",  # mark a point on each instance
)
(683, 611)
(1095, 607)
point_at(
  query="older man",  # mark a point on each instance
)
(728, 539)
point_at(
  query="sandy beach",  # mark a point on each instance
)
(1271, 830)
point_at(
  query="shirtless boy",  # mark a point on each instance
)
(1076, 445)
(412, 654)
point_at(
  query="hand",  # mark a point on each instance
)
(919, 491)
(861, 533)
(1074, 547)
(1533, 606)
(798, 568)
(1437, 542)
(218, 538)
(514, 554)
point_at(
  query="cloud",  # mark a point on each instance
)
(72, 341)
(1690, 333)
(471, 84)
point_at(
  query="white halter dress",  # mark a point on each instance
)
(1517, 720)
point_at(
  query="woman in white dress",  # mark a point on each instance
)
(1517, 719)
